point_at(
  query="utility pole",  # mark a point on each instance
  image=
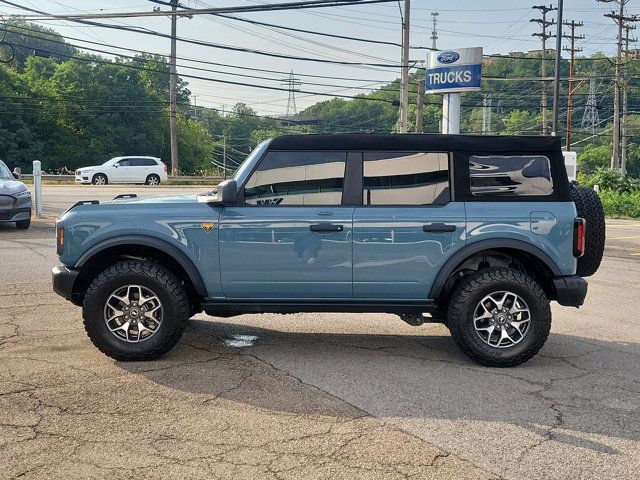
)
(173, 127)
(620, 19)
(224, 156)
(625, 99)
(434, 32)
(404, 90)
(544, 23)
(486, 114)
(556, 73)
(420, 108)
(572, 51)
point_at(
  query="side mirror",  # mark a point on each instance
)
(17, 172)
(16, 176)
(226, 194)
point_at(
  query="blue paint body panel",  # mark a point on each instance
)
(393, 258)
(545, 225)
(271, 253)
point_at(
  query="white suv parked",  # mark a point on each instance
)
(149, 170)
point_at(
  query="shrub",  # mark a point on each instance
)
(621, 204)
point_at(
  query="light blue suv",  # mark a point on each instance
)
(476, 232)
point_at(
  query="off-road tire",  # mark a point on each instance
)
(95, 180)
(590, 208)
(153, 176)
(23, 224)
(163, 283)
(472, 290)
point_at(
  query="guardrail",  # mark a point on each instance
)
(181, 180)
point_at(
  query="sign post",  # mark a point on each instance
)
(451, 72)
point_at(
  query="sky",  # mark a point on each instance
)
(496, 25)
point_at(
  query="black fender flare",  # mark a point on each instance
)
(147, 241)
(490, 244)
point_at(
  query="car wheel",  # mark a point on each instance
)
(135, 310)
(499, 317)
(153, 180)
(589, 207)
(99, 179)
(23, 224)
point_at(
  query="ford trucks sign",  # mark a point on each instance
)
(454, 71)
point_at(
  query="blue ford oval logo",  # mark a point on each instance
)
(448, 57)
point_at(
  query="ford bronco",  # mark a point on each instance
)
(477, 232)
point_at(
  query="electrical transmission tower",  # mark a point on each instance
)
(590, 117)
(291, 83)
(572, 52)
(434, 32)
(544, 23)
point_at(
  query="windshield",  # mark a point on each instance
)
(110, 162)
(245, 169)
(5, 173)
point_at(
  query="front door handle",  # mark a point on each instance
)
(438, 228)
(326, 227)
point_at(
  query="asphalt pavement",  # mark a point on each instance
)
(316, 395)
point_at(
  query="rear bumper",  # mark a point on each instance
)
(571, 290)
(63, 281)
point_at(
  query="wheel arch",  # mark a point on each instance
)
(106, 252)
(516, 248)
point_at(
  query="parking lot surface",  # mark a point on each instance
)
(316, 395)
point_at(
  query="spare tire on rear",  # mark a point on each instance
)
(590, 208)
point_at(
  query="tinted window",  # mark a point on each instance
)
(297, 178)
(405, 178)
(142, 162)
(510, 175)
(124, 163)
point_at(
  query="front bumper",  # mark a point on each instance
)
(15, 214)
(63, 281)
(571, 290)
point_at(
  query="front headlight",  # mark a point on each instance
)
(23, 193)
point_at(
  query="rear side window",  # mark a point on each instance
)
(405, 178)
(297, 178)
(142, 162)
(510, 175)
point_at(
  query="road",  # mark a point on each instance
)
(353, 396)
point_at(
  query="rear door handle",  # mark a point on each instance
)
(438, 228)
(326, 227)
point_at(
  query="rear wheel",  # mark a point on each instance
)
(499, 317)
(153, 180)
(99, 179)
(590, 208)
(23, 224)
(135, 310)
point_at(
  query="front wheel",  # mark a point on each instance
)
(499, 317)
(135, 310)
(23, 224)
(153, 180)
(99, 179)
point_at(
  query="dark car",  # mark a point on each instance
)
(15, 199)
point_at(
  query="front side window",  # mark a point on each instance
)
(405, 178)
(510, 175)
(124, 163)
(297, 178)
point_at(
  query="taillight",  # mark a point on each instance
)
(165, 167)
(579, 231)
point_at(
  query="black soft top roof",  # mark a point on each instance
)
(418, 142)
